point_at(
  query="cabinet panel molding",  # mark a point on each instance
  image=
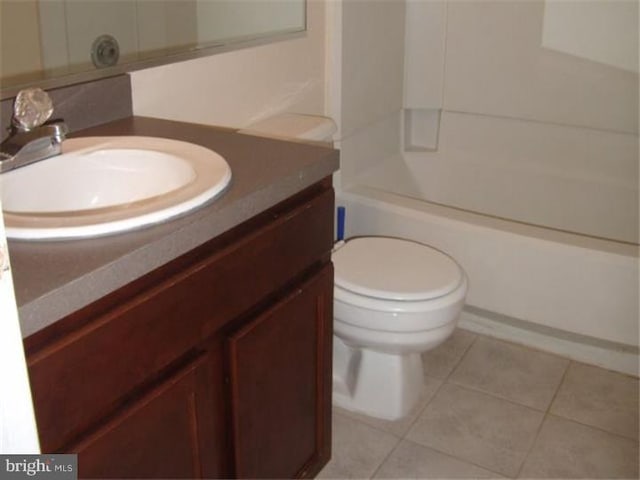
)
(278, 374)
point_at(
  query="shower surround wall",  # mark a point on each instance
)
(490, 120)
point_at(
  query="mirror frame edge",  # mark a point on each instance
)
(210, 50)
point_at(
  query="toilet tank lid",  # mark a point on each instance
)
(294, 126)
(394, 269)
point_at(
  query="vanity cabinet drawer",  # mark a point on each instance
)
(81, 377)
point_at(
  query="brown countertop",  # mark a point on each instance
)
(54, 278)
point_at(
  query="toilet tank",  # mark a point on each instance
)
(294, 126)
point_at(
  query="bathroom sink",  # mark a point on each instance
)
(104, 185)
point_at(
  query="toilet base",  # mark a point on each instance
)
(378, 384)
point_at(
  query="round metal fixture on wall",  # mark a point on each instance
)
(105, 51)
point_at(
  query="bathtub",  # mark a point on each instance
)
(573, 295)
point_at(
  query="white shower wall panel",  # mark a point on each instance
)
(566, 178)
(372, 62)
(573, 179)
(369, 147)
(425, 39)
(495, 64)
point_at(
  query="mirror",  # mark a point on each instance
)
(50, 43)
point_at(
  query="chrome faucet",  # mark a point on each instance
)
(30, 138)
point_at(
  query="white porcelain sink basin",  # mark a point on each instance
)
(104, 185)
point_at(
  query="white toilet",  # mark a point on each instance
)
(393, 300)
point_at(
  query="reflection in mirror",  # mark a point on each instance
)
(45, 40)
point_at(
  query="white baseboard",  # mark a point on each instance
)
(617, 357)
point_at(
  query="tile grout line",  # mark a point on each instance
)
(445, 381)
(546, 414)
(448, 380)
(471, 462)
(599, 429)
(450, 455)
(395, 447)
(499, 396)
(464, 354)
(495, 395)
(424, 407)
(403, 437)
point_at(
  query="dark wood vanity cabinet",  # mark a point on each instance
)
(165, 433)
(215, 365)
(279, 369)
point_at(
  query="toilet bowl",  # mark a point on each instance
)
(393, 300)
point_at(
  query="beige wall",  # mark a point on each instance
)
(19, 38)
(236, 88)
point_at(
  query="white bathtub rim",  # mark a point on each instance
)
(593, 296)
(445, 214)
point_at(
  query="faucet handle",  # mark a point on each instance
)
(32, 107)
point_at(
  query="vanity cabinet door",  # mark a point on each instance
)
(170, 432)
(280, 379)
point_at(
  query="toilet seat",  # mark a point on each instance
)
(395, 316)
(385, 268)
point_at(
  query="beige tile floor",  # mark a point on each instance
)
(493, 409)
